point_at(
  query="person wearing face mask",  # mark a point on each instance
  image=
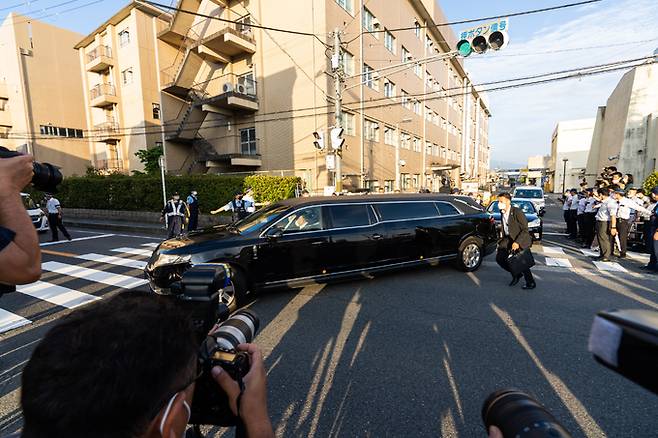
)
(514, 237)
(126, 367)
(193, 207)
(174, 214)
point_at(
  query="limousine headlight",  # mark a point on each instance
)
(535, 223)
(170, 259)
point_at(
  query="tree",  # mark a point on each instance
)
(650, 182)
(150, 158)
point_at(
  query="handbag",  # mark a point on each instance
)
(520, 261)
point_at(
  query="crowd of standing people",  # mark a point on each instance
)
(601, 218)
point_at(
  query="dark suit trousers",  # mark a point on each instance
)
(589, 224)
(623, 228)
(573, 224)
(605, 238)
(504, 249)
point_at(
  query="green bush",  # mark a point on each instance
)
(144, 192)
(650, 182)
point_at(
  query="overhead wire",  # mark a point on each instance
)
(54, 14)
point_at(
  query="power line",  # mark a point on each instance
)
(474, 20)
(41, 17)
(225, 20)
(18, 5)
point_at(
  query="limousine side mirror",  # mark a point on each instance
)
(274, 233)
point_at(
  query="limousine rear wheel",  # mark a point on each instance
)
(470, 255)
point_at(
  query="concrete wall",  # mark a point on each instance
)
(571, 141)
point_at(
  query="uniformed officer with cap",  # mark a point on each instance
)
(652, 234)
(626, 206)
(193, 207)
(174, 212)
(238, 206)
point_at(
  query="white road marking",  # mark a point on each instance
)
(561, 263)
(638, 256)
(112, 260)
(151, 244)
(610, 266)
(77, 239)
(59, 295)
(548, 233)
(589, 252)
(553, 250)
(136, 251)
(95, 275)
(10, 321)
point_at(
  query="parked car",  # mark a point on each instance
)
(315, 240)
(535, 222)
(533, 194)
(39, 218)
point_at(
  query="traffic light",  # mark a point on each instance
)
(480, 39)
(337, 140)
(319, 140)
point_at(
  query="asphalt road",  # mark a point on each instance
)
(407, 353)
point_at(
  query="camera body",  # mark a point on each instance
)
(46, 176)
(198, 294)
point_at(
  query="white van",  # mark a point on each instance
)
(533, 194)
(39, 218)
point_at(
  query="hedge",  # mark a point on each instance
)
(650, 182)
(144, 192)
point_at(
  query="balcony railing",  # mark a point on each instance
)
(102, 90)
(112, 165)
(108, 130)
(98, 52)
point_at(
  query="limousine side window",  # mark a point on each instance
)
(394, 211)
(346, 216)
(306, 219)
(447, 209)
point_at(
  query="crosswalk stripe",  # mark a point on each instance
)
(62, 296)
(112, 260)
(10, 321)
(150, 245)
(562, 263)
(610, 266)
(136, 251)
(553, 250)
(589, 252)
(108, 278)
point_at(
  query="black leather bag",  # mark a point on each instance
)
(520, 261)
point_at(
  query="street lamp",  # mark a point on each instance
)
(564, 173)
(397, 152)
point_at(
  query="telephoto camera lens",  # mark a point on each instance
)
(240, 328)
(517, 414)
(46, 177)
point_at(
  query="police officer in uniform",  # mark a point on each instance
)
(627, 206)
(652, 234)
(54, 210)
(573, 215)
(193, 207)
(606, 224)
(174, 212)
(238, 206)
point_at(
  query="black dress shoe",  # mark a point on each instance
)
(515, 280)
(529, 286)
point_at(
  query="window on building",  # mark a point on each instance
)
(79, 133)
(429, 80)
(348, 5)
(243, 24)
(428, 114)
(405, 179)
(418, 70)
(435, 150)
(3, 103)
(417, 107)
(406, 56)
(405, 140)
(389, 89)
(127, 76)
(124, 38)
(371, 130)
(389, 41)
(406, 101)
(428, 148)
(428, 42)
(415, 181)
(389, 135)
(347, 60)
(417, 143)
(370, 77)
(417, 29)
(4, 131)
(156, 111)
(248, 141)
(348, 124)
(370, 23)
(388, 185)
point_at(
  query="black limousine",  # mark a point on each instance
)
(316, 240)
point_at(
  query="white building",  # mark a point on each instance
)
(570, 147)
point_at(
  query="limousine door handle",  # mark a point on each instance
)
(377, 236)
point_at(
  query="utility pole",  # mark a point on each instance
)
(564, 173)
(338, 73)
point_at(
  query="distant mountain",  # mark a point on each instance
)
(502, 164)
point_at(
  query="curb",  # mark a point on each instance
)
(153, 229)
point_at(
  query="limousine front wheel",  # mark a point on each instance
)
(470, 255)
(234, 289)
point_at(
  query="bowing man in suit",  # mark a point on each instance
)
(514, 237)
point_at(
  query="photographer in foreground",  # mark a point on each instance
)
(127, 368)
(20, 256)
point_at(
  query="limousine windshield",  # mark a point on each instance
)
(260, 219)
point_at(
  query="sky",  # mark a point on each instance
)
(523, 119)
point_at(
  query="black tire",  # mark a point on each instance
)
(470, 255)
(234, 294)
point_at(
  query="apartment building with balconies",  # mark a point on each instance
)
(41, 104)
(120, 66)
(241, 98)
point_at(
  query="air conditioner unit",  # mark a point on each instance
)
(227, 87)
(241, 89)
